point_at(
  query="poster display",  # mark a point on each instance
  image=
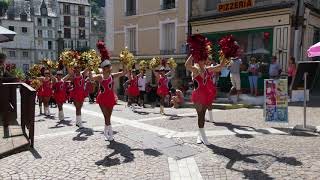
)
(276, 100)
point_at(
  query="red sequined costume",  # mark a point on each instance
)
(46, 89)
(133, 89)
(88, 87)
(210, 83)
(163, 89)
(60, 92)
(201, 91)
(106, 96)
(78, 92)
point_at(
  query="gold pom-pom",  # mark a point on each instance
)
(36, 84)
(90, 59)
(35, 70)
(154, 62)
(127, 59)
(172, 63)
(143, 65)
(70, 58)
(48, 63)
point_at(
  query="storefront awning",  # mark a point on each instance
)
(314, 50)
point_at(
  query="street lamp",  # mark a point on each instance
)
(95, 21)
(60, 42)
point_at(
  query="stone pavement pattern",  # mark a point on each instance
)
(147, 147)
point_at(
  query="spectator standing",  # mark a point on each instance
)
(253, 76)
(235, 77)
(292, 69)
(142, 87)
(274, 69)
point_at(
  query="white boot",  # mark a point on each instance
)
(79, 121)
(110, 133)
(199, 141)
(161, 109)
(62, 115)
(40, 107)
(203, 136)
(106, 133)
(210, 116)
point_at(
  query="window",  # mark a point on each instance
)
(50, 45)
(23, 16)
(81, 10)
(169, 4)
(168, 39)
(130, 7)
(68, 44)
(11, 28)
(24, 29)
(40, 33)
(211, 5)
(49, 22)
(66, 9)
(82, 22)
(12, 53)
(82, 34)
(132, 39)
(40, 44)
(67, 33)
(44, 11)
(50, 34)
(25, 54)
(66, 20)
(39, 22)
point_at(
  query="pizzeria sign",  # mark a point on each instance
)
(231, 5)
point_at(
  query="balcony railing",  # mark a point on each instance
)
(165, 6)
(167, 51)
(131, 12)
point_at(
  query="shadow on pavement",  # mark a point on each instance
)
(235, 156)
(83, 135)
(61, 124)
(126, 152)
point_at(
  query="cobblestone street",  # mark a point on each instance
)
(151, 146)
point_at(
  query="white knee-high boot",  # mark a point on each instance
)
(110, 133)
(210, 116)
(203, 136)
(61, 115)
(79, 121)
(161, 109)
(106, 133)
(48, 111)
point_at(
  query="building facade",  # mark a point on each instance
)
(263, 28)
(45, 19)
(149, 28)
(21, 51)
(75, 23)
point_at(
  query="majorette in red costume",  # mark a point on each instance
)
(60, 91)
(133, 89)
(78, 92)
(46, 88)
(210, 83)
(106, 96)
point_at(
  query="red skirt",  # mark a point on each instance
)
(108, 100)
(78, 95)
(133, 91)
(60, 97)
(201, 96)
(162, 91)
(45, 93)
